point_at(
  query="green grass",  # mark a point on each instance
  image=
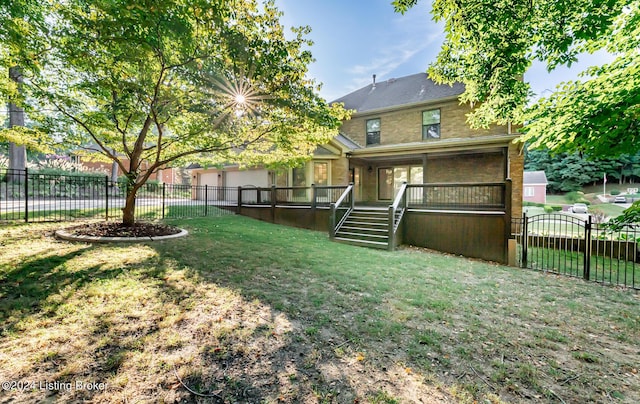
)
(609, 209)
(611, 185)
(254, 312)
(602, 269)
(557, 200)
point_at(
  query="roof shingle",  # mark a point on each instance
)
(397, 92)
(534, 177)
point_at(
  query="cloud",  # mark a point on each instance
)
(389, 58)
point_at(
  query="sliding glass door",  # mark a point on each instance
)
(390, 179)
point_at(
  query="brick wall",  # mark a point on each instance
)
(340, 171)
(516, 168)
(405, 126)
(488, 167)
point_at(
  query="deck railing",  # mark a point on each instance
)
(396, 212)
(339, 210)
(315, 195)
(461, 196)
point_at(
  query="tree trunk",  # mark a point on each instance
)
(129, 210)
(17, 154)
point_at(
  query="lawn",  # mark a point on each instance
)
(247, 311)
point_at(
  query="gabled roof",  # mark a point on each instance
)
(412, 89)
(534, 178)
(346, 140)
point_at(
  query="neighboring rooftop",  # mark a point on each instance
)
(396, 92)
(534, 178)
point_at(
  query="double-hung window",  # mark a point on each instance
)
(373, 131)
(431, 124)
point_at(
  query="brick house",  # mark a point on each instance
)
(535, 186)
(411, 129)
(420, 176)
(405, 129)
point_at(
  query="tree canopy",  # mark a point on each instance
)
(489, 45)
(168, 82)
(572, 171)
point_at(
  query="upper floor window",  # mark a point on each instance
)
(373, 131)
(431, 124)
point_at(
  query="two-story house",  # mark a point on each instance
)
(411, 129)
(464, 185)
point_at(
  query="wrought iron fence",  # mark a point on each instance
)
(573, 246)
(31, 196)
(35, 197)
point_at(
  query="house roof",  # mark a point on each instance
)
(534, 178)
(413, 89)
(345, 140)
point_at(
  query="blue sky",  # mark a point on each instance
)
(354, 39)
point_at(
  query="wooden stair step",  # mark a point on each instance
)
(362, 243)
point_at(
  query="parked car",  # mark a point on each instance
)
(620, 199)
(579, 208)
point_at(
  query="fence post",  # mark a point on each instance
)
(106, 198)
(238, 208)
(587, 248)
(352, 197)
(332, 221)
(508, 208)
(392, 236)
(26, 195)
(525, 238)
(273, 204)
(314, 197)
(164, 196)
(206, 200)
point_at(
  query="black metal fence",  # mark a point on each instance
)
(573, 246)
(35, 197)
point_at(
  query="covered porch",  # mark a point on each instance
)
(378, 172)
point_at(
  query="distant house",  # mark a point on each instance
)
(535, 186)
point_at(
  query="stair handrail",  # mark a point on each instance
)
(399, 201)
(333, 208)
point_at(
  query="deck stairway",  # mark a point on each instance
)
(366, 227)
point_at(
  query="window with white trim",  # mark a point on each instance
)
(529, 191)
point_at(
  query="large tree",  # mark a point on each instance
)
(21, 33)
(489, 46)
(175, 81)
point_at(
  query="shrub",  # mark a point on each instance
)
(548, 209)
(574, 196)
(615, 192)
(527, 203)
(598, 216)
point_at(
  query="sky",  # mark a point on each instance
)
(354, 39)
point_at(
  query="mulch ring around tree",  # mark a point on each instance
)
(117, 231)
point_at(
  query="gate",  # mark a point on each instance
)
(572, 246)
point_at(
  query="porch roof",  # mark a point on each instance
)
(440, 146)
